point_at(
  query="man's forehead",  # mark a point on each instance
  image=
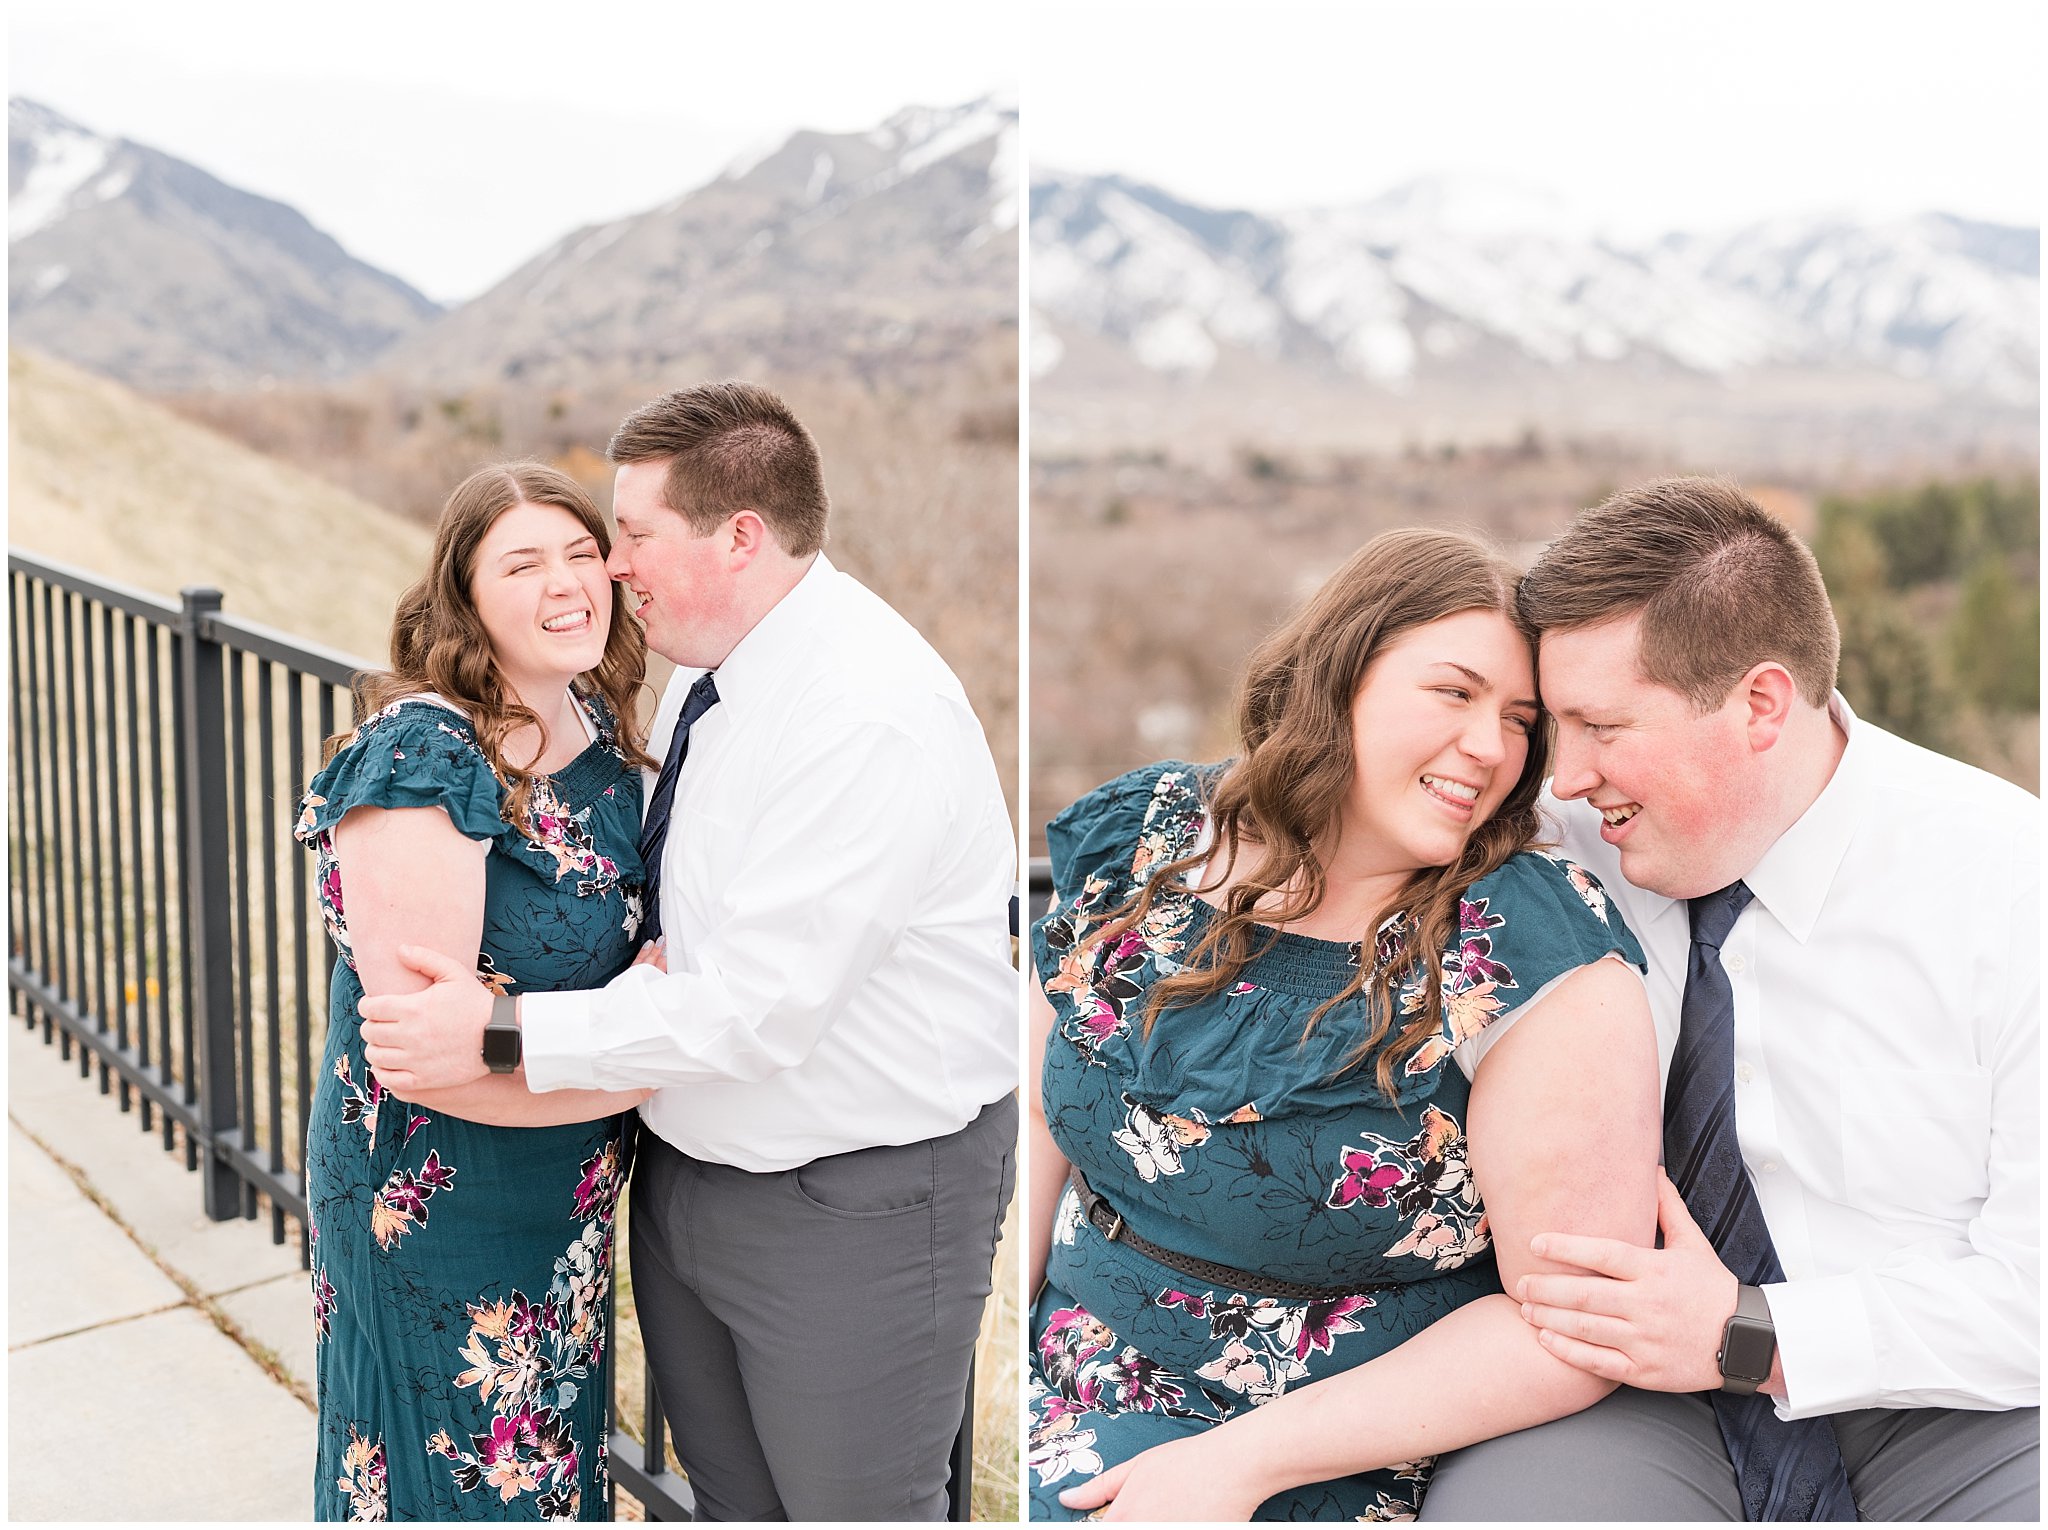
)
(638, 488)
(1586, 668)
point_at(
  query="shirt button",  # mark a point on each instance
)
(1744, 1072)
(1736, 963)
(1770, 1166)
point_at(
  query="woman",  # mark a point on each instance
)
(488, 806)
(1324, 1036)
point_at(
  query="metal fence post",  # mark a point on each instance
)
(203, 774)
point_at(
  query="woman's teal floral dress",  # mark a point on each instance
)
(1225, 1138)
(462, 1273)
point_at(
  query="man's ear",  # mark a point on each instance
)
(1769, 693)
(750, 537)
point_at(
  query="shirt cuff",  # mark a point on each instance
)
(554, 1041)
(1824, 1346)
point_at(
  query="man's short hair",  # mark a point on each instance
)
(1720, 584)
(732, 446)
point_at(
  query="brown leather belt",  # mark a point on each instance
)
(1108, 1221)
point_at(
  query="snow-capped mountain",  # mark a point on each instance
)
(1441, 278)
(1932, 296)
(145, 268)
(863, 248)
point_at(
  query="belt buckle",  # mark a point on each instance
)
(1116, 1225)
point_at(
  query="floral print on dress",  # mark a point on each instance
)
(1086, 1374)
(446, 1247)
(1583, 882)
(1428, 1181)
(324, 1305)
(556, 834)
(1237, 1134)
(529, 1361)
(1474, 987)
(1105, 981)
(361, 1103)
(1084, 1370)
(401, 1205)
(487, 973)
(1267, 1342)
(364, 1479)
(565, 836)
(1156, 1142)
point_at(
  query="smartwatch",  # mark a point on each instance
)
(502, 1048)
(1748, 1344)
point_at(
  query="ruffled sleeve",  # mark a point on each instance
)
(412, 754)
(1103, 845)
(1536, 919)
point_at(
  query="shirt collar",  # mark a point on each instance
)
(777, 637)
(1793, 877)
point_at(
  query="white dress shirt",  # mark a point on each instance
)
(1887, 1074)
(834, 894)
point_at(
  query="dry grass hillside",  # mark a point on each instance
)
(922, 472)
(103, 479)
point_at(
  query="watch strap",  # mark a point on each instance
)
(1749, 1300)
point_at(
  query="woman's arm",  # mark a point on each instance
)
(1048, 1167)
(409, 876)
(1563, 1133)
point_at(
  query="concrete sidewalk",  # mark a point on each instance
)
(159, 1366)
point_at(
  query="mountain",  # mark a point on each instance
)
(1455, 294)
(864, 250)
(103, 479)
(147, 269)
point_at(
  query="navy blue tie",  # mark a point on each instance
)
(654, 827)
(1785, 1470)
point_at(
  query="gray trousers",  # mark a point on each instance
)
(810, 1330)
(1658, 1456)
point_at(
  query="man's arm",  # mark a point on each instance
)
(824, 886)
(1944, 1322)
(410, 874)
(1950, 1322)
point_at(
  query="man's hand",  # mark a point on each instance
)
(433, 1039)
(1191, 1479)
(1648, 1317)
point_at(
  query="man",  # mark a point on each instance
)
(830, 1146)
(1842, 933)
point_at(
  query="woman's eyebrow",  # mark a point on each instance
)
(1481, 683)
(534, 552)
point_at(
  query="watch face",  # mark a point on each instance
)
(501, 1048)
(1746, 1351)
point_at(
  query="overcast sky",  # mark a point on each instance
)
(448, 141)
(1645, 116)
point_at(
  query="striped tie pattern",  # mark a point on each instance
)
(1786, 1470)
(654, 827)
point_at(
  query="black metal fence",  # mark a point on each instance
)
(160, 917)
(1040, 883)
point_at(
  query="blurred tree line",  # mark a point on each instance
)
(1938, 592)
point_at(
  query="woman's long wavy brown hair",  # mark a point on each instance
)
(438, 642)
(1280, 798)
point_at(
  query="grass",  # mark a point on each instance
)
(100, 478)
